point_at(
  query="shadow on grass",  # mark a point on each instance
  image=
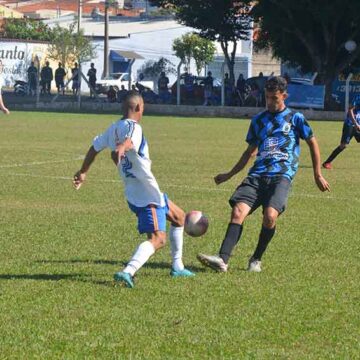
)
(83, 261)
(57, 277)
(149, 265)
(51, 277)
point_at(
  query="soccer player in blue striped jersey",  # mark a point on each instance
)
(274, 137)
(351, 128)
(130, 152)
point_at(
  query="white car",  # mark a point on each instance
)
(117, 80)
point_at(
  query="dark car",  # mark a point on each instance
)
(196, 95)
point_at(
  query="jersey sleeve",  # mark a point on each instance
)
(251, 137)
(303, 127)
(102, 141)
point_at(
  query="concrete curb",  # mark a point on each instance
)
(173, 110)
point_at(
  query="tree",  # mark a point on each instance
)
(69, 46)
(225, 21)
(192, 46)
(26, 29)
(152, 69)
(311, 34)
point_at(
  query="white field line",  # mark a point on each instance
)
(36, 163)
(187, 187)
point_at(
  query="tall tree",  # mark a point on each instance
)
(192, 46)
(311, 34)
(69, 46)
(26, 29)
(225, 21)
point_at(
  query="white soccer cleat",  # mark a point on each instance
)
(214, 262)
(254, 265)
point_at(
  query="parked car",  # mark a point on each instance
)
(197, 95)
(117, 80)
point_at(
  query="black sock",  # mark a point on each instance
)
(265, 237)
(232, 237)
(334, 154)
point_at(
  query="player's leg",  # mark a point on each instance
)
(347, 135)
(152, 221)
(244, 200)
(176, 216)
(275, 199)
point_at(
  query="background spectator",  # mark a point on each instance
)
(46, 78)
(122, 93)
(59, 78)
(163, 83)
(208, 89)
(33, 74)
(241, 88)
(111, 95)
(75, 80)
(92, 79)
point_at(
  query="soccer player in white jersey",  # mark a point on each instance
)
(130, 153)
(3, 108)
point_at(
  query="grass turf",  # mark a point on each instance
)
(60, 248)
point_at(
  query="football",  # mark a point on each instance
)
(196, 223)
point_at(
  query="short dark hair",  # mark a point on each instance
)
(276, 83)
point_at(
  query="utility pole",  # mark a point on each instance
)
(79, 14)
(106, 41)
(79, 60)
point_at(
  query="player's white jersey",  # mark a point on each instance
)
(141, 187)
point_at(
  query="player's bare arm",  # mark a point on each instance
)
(80, 175)
(121, 149)
(3, 108)
(353, 120)
(245, 157)
(320, 181)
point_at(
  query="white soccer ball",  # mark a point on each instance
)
(196, 223)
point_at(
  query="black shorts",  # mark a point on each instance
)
(348, 133)
(60, 83)
(262, 191)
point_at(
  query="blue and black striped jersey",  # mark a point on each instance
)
(348, 121)
(277, 137)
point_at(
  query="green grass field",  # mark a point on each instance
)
(59, 249)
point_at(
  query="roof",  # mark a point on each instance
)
(128, 54)
(121, 28)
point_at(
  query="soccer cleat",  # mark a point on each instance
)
(181, 273)
(254, 265)
(214, 262)
(125, 278)
(327, 165)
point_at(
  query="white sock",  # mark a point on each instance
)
(140, 257)
(176, 236)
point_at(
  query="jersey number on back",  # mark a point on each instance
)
(126, 167)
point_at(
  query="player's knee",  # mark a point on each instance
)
(179, 219)
(269, 220)
(342, 146)
(237, 215)
(158, 240)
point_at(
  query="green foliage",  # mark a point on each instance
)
(69, 46)
(311, 34)
(225, 21)
(27, 29)
(111, 4)
(60, 248)
(192, 46)
(152, 69)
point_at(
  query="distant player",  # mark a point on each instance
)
(351, 128)
(130, 153)
(274, 135)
